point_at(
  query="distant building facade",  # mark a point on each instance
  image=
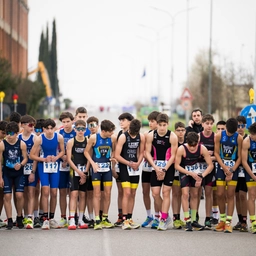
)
(14, 34)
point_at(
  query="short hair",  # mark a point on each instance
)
(252, 128)
(127, 116)
(3, 125)
(64, 115)
(221, 122)
(27, 119)
(15, 116)
(207, 117)
(179, 124)
(162, 118)
(135, 126)
(12, 127)
(80, 122)
(81, 110)
(153, 115)
(107, 126)
(92, 119)
(196, 110)
(241, 119)
(192, 138)
(49, 122)
(39, 123)
(231, 125)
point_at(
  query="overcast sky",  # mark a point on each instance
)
(103, 49)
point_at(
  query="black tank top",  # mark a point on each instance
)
(12, 154)
(161, 146)
(190, 158)
(78, 152)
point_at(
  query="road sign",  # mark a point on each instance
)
(186, 104)
(186, 95)
(249, 112)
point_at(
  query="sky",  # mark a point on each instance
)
(105, 46)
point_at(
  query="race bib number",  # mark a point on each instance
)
(64, 169)
(104, 167)
(202, 167)
(176, 173)
(193, 168)
(27, 168)
(254, 168)
(229, 163)
(146, 167)
(160, 163)
(131, 172)
(117, 168)
(241, 172)
(80, 168)
(51, 167)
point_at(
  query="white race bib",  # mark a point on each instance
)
(160, 163)
(104, 167)
(254, 168)
(64, 169)
(202, 167)
(131, 172)
(176, 173)
(193, 168)
(51, 167)
(146, 167)
(80, 168)
(27, 168)
(117, 167)
(229, 163)
(241, 172)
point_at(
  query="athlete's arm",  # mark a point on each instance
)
(61, 149)
(34, 153)
(23, 148)
(174, 146)
(208, 160)
(217, 153)
(239, 152)
(1, 159)
(89, 150)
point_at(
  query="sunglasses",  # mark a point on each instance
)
(31, 125)
(38, 130)
(10, 133)
(92, 125)
(222, 129)
(180, 130)
(240, 125)
(80, 129)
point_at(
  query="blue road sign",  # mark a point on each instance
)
(249, 112)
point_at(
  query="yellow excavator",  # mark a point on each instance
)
(45, 77)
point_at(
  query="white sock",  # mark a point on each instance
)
(81, 215)
(149, 213)
(91, 215)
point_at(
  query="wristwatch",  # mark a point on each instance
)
(33, 172)
(164, 170)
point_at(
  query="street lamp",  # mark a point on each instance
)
(2, 95)
(15, 100)
(173, 17)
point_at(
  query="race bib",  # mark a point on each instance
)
(80, 168)
(254, 167)
(27, 168)
(229, 163)
(104, 167)
(117, 168)
(176, 173)
(160, 163)
(64, 169)
(193, 168)
(241, 172)
(146, 167)
(51, 167)
(131, 172)
(202, 167)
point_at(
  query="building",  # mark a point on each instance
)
(14, 34)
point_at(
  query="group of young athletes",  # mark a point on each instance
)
(78, 161)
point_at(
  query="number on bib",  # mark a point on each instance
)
(104, 167)
(80, 168)
(27, 168)
(51, 167)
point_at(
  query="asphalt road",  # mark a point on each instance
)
(118, 242)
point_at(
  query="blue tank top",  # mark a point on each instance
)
(49, 146)
(102, 149)
(228, 146)
(29, 143)
(67, 136)
(12, 154)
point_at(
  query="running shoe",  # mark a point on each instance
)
(228, 228)
(126, 225)
(178, 224)
(20, 224)
(118, 223)
(196, 226)
(188, 226)
(244, 227)
(63, 223)
(253, 229)
(133, 224)
(97, 225)
(147, 222)
(37, 222)
(208, 224)
(82, 225)
(46, 225)
(72, 224)
(3, 223)
(9, 225)
(163, 224)
(155, 224)
(220, 226)
(237, 226)
(53, 224)
(29, 223)
(24, 221)
(106, 224)
(91, 223)
(214, 221)
(86, 219)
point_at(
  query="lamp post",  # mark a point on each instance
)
(210, 66)
(173, 17)
(15, 100)
(2, 95)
